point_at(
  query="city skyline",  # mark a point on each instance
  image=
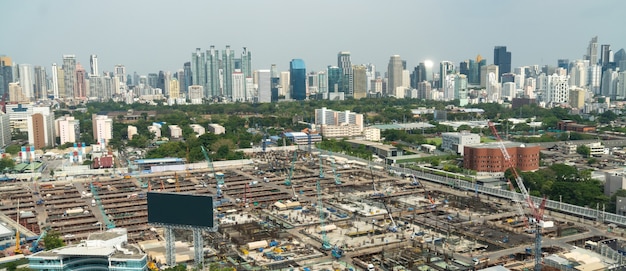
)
(456, 30)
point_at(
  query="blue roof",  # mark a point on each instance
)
(297, 64)
(159, 160)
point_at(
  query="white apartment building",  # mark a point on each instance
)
(456, 141)
(102, 128)
(217, 129)
(175, 131)
(371, 133)
(198, 129)
(67, 129)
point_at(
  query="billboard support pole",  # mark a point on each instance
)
(198, 247)
(170, 249)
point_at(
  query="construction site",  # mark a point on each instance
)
(303, 210)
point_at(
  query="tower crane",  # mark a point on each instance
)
(218, 178)
(536, 211)
(109, 223)
(293, 164)
(335, 174)
(325, 243)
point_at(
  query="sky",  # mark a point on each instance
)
(151, 35)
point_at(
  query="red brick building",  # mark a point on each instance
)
(569, 125)
(489, 158)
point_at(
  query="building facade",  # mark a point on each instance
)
(489, 157)
(5, 130)
(102, 127)
(67, 129)
(41, 128)
(457, 141)
(297, 74)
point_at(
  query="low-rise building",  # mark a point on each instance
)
(489, 158)
(101, 251)
(198, 129)
(217, 129)
(456, 141)
(570, 125)
(156, 130)
(371, 133)
(132, 130)
(175, 131)
(343, 130)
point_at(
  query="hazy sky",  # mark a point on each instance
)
(152, 35)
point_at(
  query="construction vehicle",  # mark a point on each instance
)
(325, 243)
(393, 227)
(293, 164)
(536, 212)
(376, 193)
(35, 245)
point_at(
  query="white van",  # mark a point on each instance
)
(370, 267)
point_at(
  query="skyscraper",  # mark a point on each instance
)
(6, 74)
(334, 78)
(264, 94)
(198, 69)
(185, 81)
(26, 80)
(41, 127)
(41, 83)
(347, 77)
(445, 68)
(592, 51)
(484, 74)
(297, 74)
(80, 87)
(102, 127)
(69, 76)
(55, 81)
(93, 65)
(359, 81)
(605, 55)
(502, 58)
(394, 75)
(212, 73)
(120, 73)
(228, 62)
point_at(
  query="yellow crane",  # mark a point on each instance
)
(18, 247)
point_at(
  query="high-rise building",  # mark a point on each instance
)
(239, 86)
(174, 92)
(334, 78)
(577, 97)
(484, 74)
(41, 127)
(592, 51)
(67, 129)
(555, 89)
(93, 65)
(502, 58)
(264, 86)
(371, 75)
(347, 77)
(16, 93)
(284, 84)
(578, 74)
(563, 63)
(54, 77)
(69, 77)
(40, 85)
(102, 127)
(445, 68)
(605, 55)
(594, 78)
(5, 130)
(608, 86)
(213, 82)
(6, 74)
(120, 73)
(322, 83)
(464, 67)
(460, 88)
(424, 90)
(80, 87)
(620, 89)
(246, 63)
(394, 76)
(26, 80)
(359, 81)
(297, 74)
(186, 80)
(274, 82)
(620, 59)
(228, 62)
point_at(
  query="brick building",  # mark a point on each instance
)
(489, 158)
(569, 125)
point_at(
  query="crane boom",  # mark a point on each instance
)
(537, 213)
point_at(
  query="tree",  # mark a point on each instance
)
(583, 150)
(6, 163)
(13, 149)
(53, 240)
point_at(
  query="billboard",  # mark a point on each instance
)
(180, 210)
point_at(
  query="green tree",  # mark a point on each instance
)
(13, 149)
(583, 150)
(53, 240)
(6, 163)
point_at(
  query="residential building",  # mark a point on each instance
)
(100, 251)
(196, 94)
(40, 84)
(217, 129)
(67, 129)
(592, 51)
(41, 127)
(342, 130)
(297, 75)
(16, 93)
(284, 88)
(131, 131)
(613, 181)
(371, 133)
(6, 74)
(554, 89)
(69, 77)
(80, 85)
(93, 65)
(484, 74)
(264, 86)
(5, 130)
(198, 129)
(597, 149)
(577, 97)
(156, 130)
(26, 80)
(175, 131)
(456, 141)
(102, 127)
(445, 68)
(331, 117)
(489, 157)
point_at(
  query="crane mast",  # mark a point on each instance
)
(537, 212)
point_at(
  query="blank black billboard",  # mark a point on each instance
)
(180, 210)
